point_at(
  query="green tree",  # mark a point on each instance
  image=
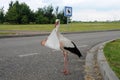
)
(62, 18)
(48, 13)
(24, 19)
(44, 15)
(11, 5)
(24, 13)
(39, 15)
(1, 15)
(12, 16)
(18, 13)
(32, 17)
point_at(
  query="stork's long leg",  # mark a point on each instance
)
(65, 54)
(66, 71)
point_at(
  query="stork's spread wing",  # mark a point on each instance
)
(53, 41)
(69, 45)
(66, 42)
(74, 50)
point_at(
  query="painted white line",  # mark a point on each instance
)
(25, 55)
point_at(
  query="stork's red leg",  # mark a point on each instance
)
(65, 71)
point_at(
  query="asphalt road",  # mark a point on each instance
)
(24, 58)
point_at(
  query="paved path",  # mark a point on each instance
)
(24, 58)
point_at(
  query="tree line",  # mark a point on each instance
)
(20, 13)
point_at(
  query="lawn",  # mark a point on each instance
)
(72, 27)
(112, 53)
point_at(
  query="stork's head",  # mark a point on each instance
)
(57, 23)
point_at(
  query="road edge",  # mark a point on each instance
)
(104, 68)
(106, 71)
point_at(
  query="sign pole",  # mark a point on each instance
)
(68, 26)
(67, 20)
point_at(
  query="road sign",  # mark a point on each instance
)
(68, 11)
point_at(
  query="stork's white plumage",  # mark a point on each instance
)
(57, 41)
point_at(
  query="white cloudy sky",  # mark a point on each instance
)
(83, 10)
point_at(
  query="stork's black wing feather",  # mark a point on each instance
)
(74, 50)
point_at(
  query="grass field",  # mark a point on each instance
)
(65, 27)
(112, 53)
(72, 27)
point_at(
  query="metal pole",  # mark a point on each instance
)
(68, 27)
(67, 20)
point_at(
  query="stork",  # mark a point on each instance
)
(57, 41)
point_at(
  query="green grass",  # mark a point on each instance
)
(64, 27)
(7, 33)
(112, 53)
(47, 27)
(73, 27)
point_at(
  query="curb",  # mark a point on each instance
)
(42, 34)
(91, 68)
(105, 71)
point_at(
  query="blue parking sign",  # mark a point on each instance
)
(68, 11)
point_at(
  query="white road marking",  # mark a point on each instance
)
(25, 55)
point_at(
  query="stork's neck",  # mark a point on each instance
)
(57, 24)
(57, 27)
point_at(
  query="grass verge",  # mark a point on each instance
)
(6, 33)
(112, 54)
(88, 26)
(72, 27)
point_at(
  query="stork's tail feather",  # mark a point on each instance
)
(74, 50)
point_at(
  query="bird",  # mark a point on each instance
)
(58, 42)
(69, 11)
